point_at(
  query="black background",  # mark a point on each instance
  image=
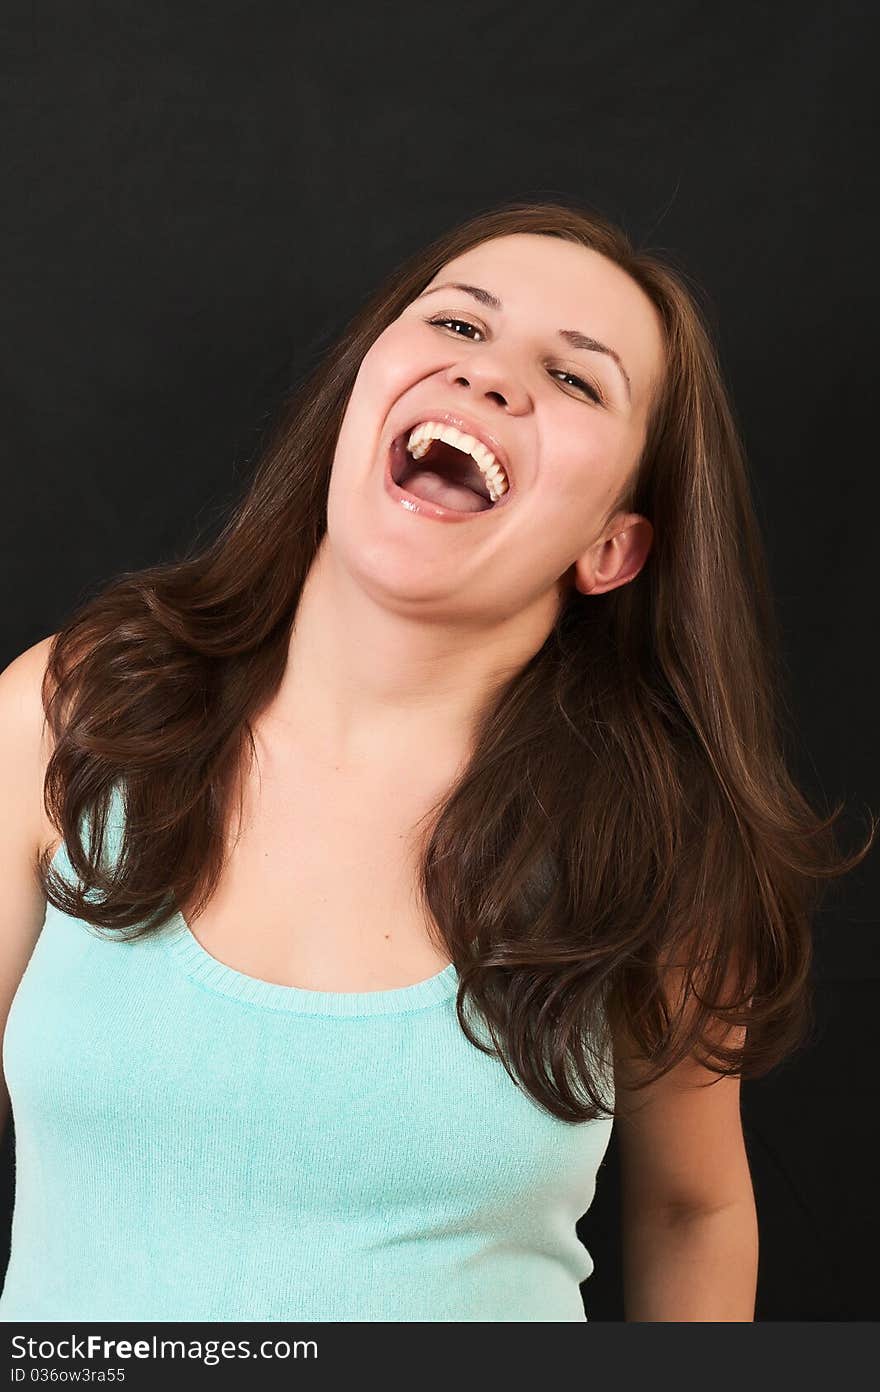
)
(196, 195)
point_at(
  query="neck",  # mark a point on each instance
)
(368, 688)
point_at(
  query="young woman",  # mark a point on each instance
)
(425, 824)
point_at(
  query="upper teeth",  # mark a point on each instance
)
(419, 443)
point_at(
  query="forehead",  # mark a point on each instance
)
(546, 284)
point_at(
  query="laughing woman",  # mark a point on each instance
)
(375, 859)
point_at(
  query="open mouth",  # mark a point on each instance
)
(444, 476)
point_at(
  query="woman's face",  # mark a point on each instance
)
(569, 419)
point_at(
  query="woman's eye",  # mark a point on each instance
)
(442, 320)
(584, 386)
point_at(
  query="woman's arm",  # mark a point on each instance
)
(24, 751)
(689, 1223)
(698, 1266)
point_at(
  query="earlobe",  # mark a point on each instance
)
(617, 558)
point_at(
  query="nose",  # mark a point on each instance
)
(489, 378)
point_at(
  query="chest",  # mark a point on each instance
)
(319, 888)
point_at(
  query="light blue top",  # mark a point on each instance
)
(196, 1144)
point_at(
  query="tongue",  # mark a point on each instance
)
(434, 488)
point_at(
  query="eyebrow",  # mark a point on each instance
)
(572, 336)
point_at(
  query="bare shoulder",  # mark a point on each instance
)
(26, 745)
(23, 756)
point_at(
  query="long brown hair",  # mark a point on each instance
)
(626, 818)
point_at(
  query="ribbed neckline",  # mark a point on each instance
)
(199, 965)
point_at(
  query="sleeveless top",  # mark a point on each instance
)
(193, 1143)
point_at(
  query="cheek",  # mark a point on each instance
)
(389, 368)
(394, 361)
(584, 476)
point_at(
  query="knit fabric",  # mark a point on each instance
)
(196, 1144)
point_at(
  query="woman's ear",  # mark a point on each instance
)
(617, 557)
